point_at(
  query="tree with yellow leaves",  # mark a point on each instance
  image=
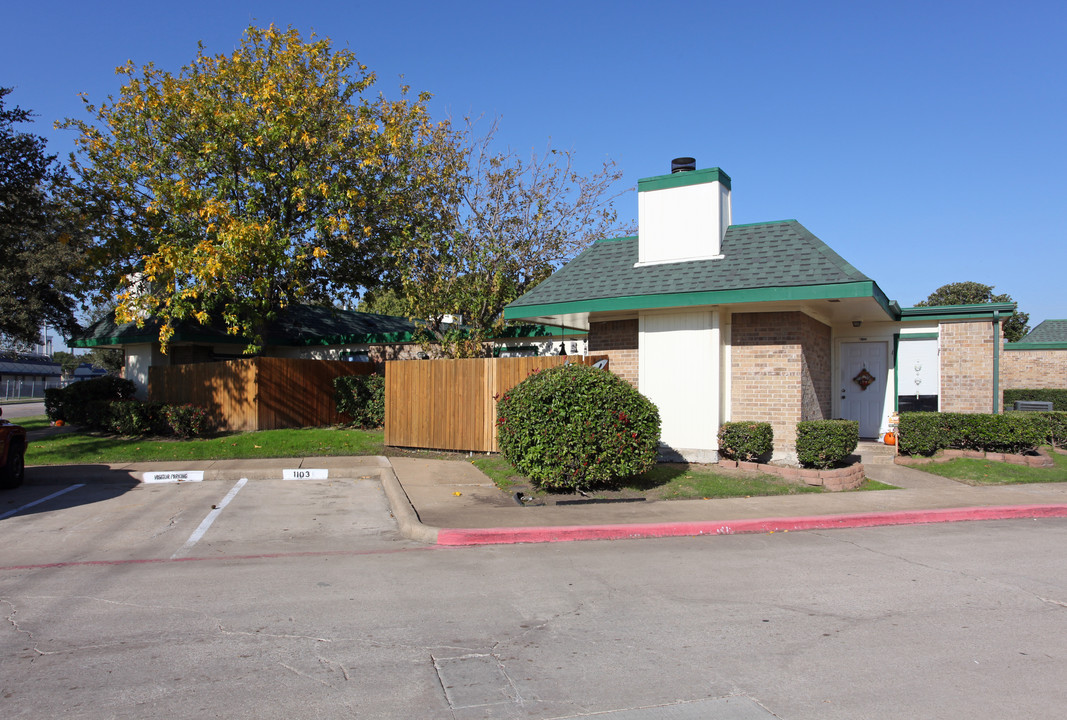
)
(253, 180)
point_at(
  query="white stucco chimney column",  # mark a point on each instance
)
(682, 216)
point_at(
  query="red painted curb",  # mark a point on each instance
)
(500, 536)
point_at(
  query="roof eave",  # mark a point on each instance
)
(860, 289)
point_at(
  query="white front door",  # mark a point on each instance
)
(863, 384)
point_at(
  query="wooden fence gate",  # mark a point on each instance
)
(451, 404)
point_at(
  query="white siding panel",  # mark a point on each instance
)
(679, 372)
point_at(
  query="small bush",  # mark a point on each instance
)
(135, 418)
(573, 426)
(745, 440)
(826, 443)
(1058, 398)
(187, 421)
(362, 398)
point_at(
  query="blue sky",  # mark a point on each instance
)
(926, 142)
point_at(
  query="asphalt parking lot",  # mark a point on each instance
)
(74, 522)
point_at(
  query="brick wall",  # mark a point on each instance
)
(816, 401)
(780, 371)
(1033, 369)
(618, 340)
(967, 366)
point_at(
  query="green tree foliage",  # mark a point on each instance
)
(67, 361)
(253, 180)
(40, 238)
(104, 358)
(514, 223)
(384, 301)
(974, 293)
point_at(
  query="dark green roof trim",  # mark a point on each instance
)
(681, 179)
(985, 311)
(1035, 346)
(919, 336)
(512, 332)
(715, 297)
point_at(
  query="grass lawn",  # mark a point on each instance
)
(667, 481)
(983, 472)
(78, 448)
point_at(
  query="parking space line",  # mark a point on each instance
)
(199, 532)
(9, 513)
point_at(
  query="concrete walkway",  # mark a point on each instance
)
(451, 502)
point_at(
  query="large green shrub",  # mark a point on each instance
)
(574, 426)
(362, 398)
(86, 402)
(1058, 398)
(745, 439)
(826, 443)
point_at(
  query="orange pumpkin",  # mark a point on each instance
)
(59, 423)
(890, 438)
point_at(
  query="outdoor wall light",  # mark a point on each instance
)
(857, 323)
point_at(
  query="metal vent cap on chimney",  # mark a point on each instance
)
(683, 164)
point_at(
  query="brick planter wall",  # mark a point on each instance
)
(618, 340)
(837, 479)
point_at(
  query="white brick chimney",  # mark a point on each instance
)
(682, 216)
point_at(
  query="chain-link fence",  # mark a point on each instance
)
(26, 389)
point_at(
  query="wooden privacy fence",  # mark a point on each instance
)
(257, 393)
(450, 404)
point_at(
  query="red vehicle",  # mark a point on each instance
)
(12, 453)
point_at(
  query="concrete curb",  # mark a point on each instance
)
(404, 512)
(496, 536)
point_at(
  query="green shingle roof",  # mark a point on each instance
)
(297, 325)
(1049, 331)
(780, 254)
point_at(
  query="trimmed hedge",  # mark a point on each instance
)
(745, 440)
(574, 426)
(1057, 426)
(1058, 398)
(826, 443)
(361, 397)
(925, 433)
